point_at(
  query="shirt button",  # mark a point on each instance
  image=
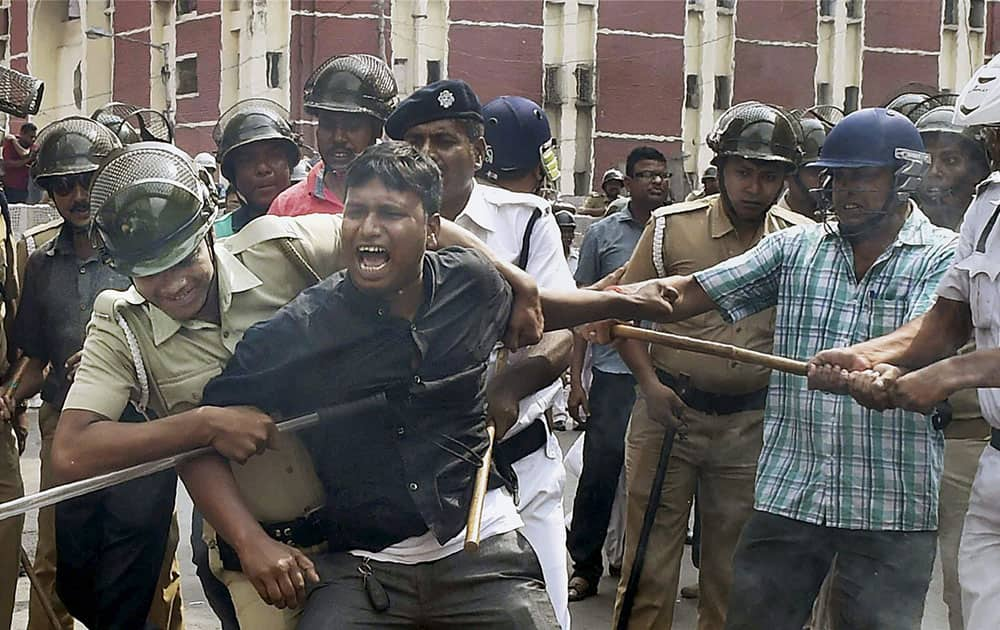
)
(413, 486)
(83, 307)
(380, 312)
(416, 380)
(83, 270)
(400, 430)
(225, 334)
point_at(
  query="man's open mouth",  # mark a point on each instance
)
(372, 258)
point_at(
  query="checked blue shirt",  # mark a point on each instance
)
(826, 459)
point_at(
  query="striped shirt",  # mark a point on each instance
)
(826, 459)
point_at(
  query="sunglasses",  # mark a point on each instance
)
(65, 184)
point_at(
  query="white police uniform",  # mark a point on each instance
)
(974, 278)
(499, 218)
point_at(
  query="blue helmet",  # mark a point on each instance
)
(519, 138)
(872, 137)
(878, 137)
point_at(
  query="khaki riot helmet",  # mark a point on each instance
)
(72, 146)
(756, 131)
(151, 210)
(357, 83)
(253, 120)
(134, 124)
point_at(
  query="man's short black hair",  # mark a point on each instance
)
(28, 127)
(642, 153)
(401, 167)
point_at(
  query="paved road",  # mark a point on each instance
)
(591, 614)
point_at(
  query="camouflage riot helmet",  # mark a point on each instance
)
(151, 210)
(361, 84)
(756, 131)
(813, 136)
(71, 146)
(253, 120)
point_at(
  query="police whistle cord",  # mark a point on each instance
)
(75, 489)
(474, 522)
(939, 418)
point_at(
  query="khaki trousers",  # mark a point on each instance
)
(10, 529)
(718, 456)
(45, 552)
(252, 612)
(961, 458)
(165, 612)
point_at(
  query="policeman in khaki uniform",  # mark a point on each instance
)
(716, 452)
(11, 486)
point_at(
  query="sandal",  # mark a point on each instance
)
(581, 588)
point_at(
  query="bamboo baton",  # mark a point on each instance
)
(482, 480)
(714, 348)
(940, 418)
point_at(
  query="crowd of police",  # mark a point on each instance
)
(167, 310)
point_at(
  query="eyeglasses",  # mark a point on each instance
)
(65, 184)
(652, 175)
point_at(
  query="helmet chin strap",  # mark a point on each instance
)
(867, 226)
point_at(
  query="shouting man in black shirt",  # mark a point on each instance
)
(419, 326)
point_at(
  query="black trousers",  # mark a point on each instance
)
(612, 397)
(498, 588)
(109, 551)
(779, 565)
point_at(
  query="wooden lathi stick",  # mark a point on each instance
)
(714, 348)
(480, 484)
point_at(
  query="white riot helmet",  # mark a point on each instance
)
(206, 161)
(979, 101)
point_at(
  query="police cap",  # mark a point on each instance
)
(449, 98)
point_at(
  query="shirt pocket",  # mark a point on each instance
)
(182, 391)
(886, 316)
(984, 291)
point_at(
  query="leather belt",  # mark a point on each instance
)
(995, 438)
(302, 532)
(710, 402)
(522, 444)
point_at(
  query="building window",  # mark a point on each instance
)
(187, 76)
(723, 92)
(78, 86)
(950, 12)
(826, 7)
(824, 94)
(433, 71)
(553, 93)
(852, 95)
(854, 9)
(726, 5)
(186, 6)
(977, 13)
(400, 71)
(692, 92)
(274, 69)
(584, 85)
(72, 10)
(581, 183)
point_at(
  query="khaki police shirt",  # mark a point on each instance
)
(256, 277)
(696, 236)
